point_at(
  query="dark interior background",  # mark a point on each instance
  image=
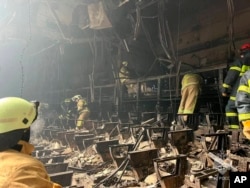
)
(48, 52)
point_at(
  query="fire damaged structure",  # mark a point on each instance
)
(109, 76)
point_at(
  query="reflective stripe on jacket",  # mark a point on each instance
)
(20, 170)
(243, 97)
(232, 79)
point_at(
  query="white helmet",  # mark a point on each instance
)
(76, 98)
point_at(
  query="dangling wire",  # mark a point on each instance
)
(231, 45)
(24, 49)
(91, 76)
(178, 31)
(162, 29)
(177, 57)
(22, 71)
(138, 21)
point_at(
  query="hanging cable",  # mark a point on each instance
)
(22, 71)
(151, 67)
(171, 41)
(170, 91)
(24, 49)
(148, 39)
(178, 31)
(231, 45)
(91, 76)
(138, 21)
(151, 47)
(177, 81)
(162, 29)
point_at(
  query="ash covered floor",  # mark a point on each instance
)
(142, 157)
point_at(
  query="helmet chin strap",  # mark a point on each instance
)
(17, 147)
(26, 135)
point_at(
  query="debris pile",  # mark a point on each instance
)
(151, 156)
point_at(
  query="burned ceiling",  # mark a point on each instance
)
(64, 45)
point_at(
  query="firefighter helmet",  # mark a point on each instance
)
(244, 48)
(76, 98)
(16, 116)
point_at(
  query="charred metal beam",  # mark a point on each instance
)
(58, 22)
(144, 5)
(209, 44)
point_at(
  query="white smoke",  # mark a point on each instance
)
(37, 127)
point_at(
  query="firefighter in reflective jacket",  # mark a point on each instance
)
(17, 167)
(243, 102)
(127, 78)
(126, 75)
(83, 111)
(190, 90)
(231, 83)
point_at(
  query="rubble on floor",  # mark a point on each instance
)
(182, 158)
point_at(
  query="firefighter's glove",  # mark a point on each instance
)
(246, 128)
(224, 94)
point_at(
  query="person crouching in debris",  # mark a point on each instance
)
(83, 111)
(190, 90)
(18, 168)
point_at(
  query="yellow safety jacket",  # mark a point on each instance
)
(124, 74)
(191, 79)
(81, 104)
(243, 97)
(83, 113)
(21, 170)
(232, 79)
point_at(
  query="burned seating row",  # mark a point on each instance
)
(55, 165)
(105, 136)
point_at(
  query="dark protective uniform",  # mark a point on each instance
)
(230, 86)
(243, 103)
(243, 97)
